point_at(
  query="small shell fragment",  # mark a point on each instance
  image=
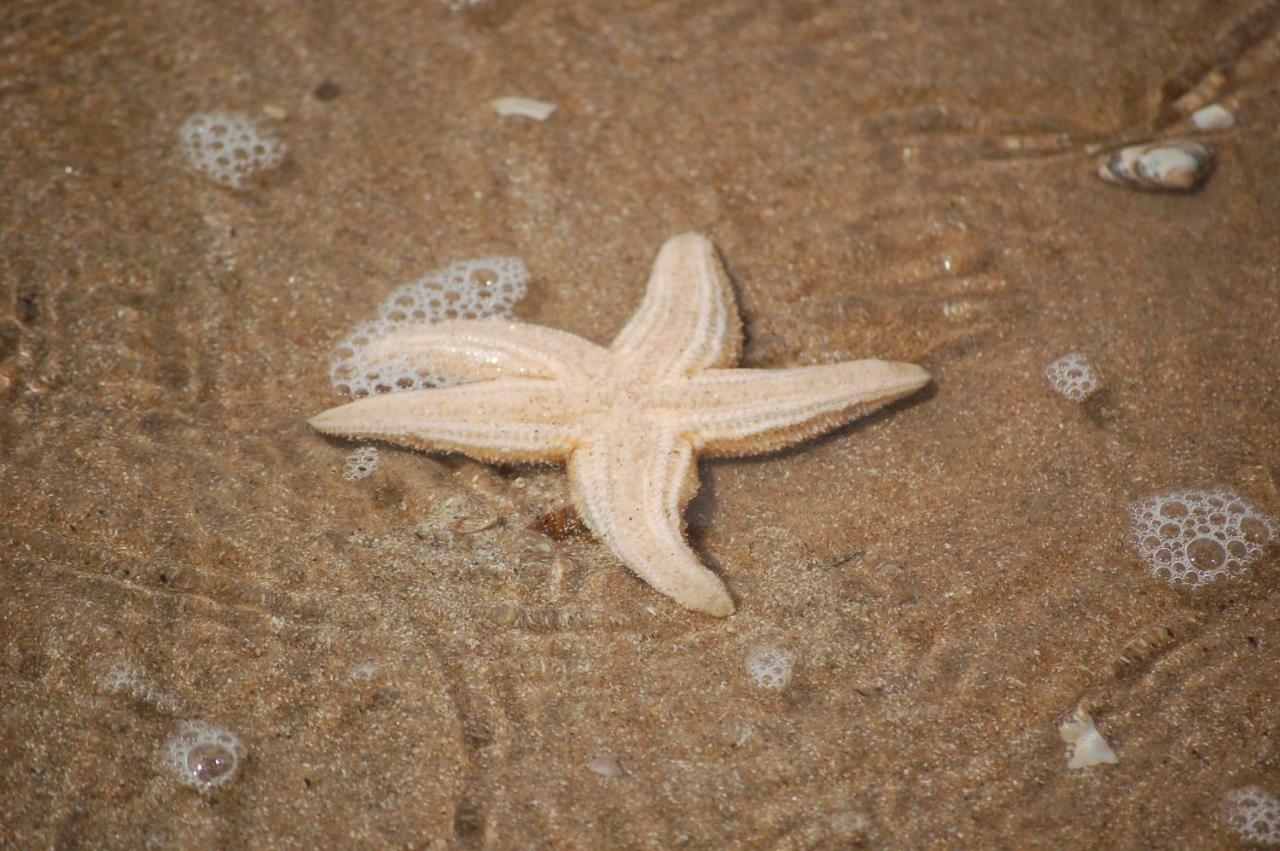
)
(1179, 165)
(538, 110)
(1087, 747)
(1213, 117)
(606, 765)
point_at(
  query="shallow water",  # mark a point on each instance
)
(431, 655)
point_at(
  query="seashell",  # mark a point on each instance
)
(1209, 87)
(1179, 165)
(1086, 746)
(538, 110)
(1215, 116)
(606, 765)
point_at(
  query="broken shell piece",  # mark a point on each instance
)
(606, 765)
(1213, 117)
(538, 110)
(1087, 747)
(1175, 166)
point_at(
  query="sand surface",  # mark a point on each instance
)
(419, 658)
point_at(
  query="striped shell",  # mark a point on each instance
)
(1179, 165)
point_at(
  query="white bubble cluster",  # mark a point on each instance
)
(229, 147)
(125, 679)
(468, 289)
(1253, 814)
(1192, 537)
(770, 666)
(360, 463)
(203, 756)
(1072, 375)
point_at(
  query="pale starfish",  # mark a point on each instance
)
(628, 420)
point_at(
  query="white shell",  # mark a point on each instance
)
(1213, 117)
(1086, 745)
(606, 765)
(1179, 165)
(538, 110)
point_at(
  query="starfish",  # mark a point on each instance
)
(630, 420)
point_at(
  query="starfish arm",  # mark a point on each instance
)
(631, 486)
(510, 419)
(688, 319)
(745, 411)
(482, 349)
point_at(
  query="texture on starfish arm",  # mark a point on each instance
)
(630, 420)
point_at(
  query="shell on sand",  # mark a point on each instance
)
(1179, 165)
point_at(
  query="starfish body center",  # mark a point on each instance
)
(610, 400)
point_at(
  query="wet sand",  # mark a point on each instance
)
(432, 656)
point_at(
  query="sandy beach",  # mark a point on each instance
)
(217, 632)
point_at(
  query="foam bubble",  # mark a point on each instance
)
(1254, 814)
(469, 289)
(770, 666)
(124, 679)
(203, 756)
(1072, 375)
(229, 147)
(360, 463)
(1192, 537)
(365, 671)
